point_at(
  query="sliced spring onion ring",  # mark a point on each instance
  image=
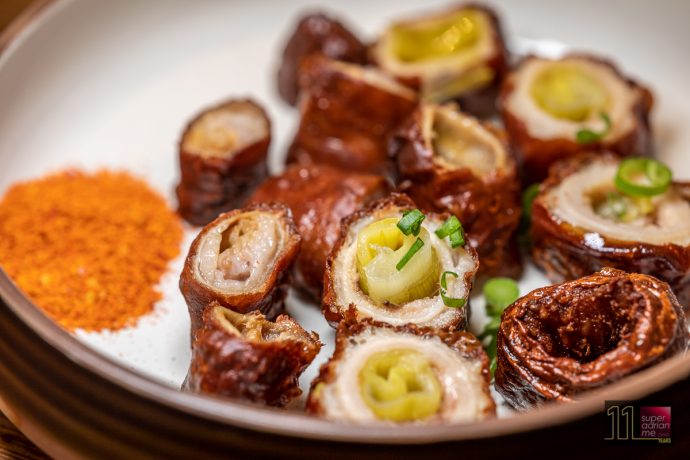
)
(410, 253)
(411, 222)
(449, 301)
(451, 225)
(587, 136)
(456, 239)
(499, 293)
(643, 177)
(528, 197)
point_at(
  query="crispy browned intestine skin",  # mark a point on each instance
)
(561, 251)
(480, 102)
(268, 299)
(320, 197)
(333, 308)
(489, 208)
(561, 340)
(345, 120)
(259, 361)
(316, 33)
(462, 342)
(537, 155)
(212, 185)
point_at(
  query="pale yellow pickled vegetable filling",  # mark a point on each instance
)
(400, 386)
(569, 92)
(380, 246)
(610, 204)
(437, 38)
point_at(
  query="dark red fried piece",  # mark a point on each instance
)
(241, 260)
(630, 134)
(449, 162)
(247, 357)
(222, 159)
(348, 112)
(316, 34)
(559, 341)
(319, 197)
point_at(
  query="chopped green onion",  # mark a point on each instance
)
(456, 239)
(451, 225)
(416, 246)
(643, 177)
(499, 293)
(587, 136)
(449, 301)
(411, 222)
(528, 197)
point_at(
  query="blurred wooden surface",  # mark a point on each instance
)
(13, 445)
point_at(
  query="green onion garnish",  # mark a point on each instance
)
(587, 136)
(449, 301)
(416, 246)
(456, 239)
(642, 177)
(451, 225)
(411, 222)
(499, 293)
(528, 197)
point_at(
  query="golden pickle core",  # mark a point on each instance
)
(400, 386)
(380, 246)
(436, 38)
(569, 92)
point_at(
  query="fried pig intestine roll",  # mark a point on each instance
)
(245, 356)
(561, 340)
(581, 223)
(222, 157)
(448, 161)
(371, 273)
(316, 34)
(553, 109)
(320, 197)
(348, 112)
(459, 54)
(241, 260)
(405, 374)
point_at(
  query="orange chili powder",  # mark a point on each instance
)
(88, 249)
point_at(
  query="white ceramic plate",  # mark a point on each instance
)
(97, 84)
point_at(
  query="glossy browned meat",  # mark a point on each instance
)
(248, 357)
(348, 112)
(319, 197)
(562, 340)
(562, 251)
(488, 206)
(315, 33)
(536, 155)
(214, 180)
(270, 282)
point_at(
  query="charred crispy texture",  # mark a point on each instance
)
(570, 240)
(450, 162)
(458, 54)
(319, 197)
(540, 138)
(422, 303)
(248, 357)
(222, 159)
(457, 359)
(316, 34)
(241, 260)
(559, 341)
(348, 111)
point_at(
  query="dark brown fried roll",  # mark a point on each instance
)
(316, 34)
(365, 271)
(448, 161)
(348, 112)
(559, 341)
(553, 109)
(222, 159)
(405, 374)
(245, 356)
(458, 54)
(574, 233)
(241, 260)
(319, 197)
